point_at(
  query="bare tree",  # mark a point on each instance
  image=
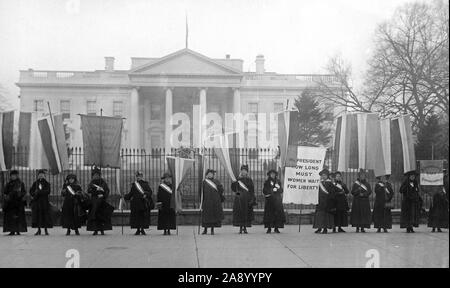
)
(408, 72)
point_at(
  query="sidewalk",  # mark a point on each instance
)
(228, 249)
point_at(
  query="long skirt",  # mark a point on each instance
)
(360, 215)
(438, 214)
(323, 220)
(140, 219)
(382, 217)
(167, 219)
(341, 218)
(410, 214)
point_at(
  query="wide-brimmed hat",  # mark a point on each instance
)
(96, 170)
(166, 175)
(409, 173)
(324, 172)
(332, 174)
(13, 172)
(71, 176)
(338, 173)
(210, 171)
(41, 171)
(138, 173)
(362, 171)
(244, 167)
(272, 171)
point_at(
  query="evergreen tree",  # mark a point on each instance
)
(432, 140)
(312, 121)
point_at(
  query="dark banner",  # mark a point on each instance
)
(101, 140)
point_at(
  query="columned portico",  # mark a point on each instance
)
(135, 119)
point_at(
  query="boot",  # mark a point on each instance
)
(205, 231)
(357, 229)
(212, 230)
(38, 232)
(12, 233)
(245, 230)
(341, 230)
(433, 230)
(412, 230)
(168, 231)
(277, 231)
(102, 232)
(240, 230)
(77, 232)
(362, 230)
(165, 232)
(379, 230)
(138, 232)
(68, 232)
(324, 231)
(95, 233)
(439, 230)
(269, 230)
(334, 230)
(143, 232)
(318, 231)
(385, 230)
(18, 233)
(46, 232)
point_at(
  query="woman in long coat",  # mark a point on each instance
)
(14, 220)
(166, 214)
(382, 216)
(273, 208)
(438, 214)
(100, 213)
(360, 216)
(212, 199)
(141, 203)
(341, 215)
(40, 206)
(324, 217)
(74, 206)
(244, 200)
(411, 203)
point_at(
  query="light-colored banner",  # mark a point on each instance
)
(301, 183)
(431, 172)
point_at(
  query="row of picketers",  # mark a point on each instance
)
(92, 209)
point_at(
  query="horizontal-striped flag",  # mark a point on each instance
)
(52, 134)
(6, 139)
(358, 143)
(398, 145)
(179, 168)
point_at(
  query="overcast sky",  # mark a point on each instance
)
(294, 36)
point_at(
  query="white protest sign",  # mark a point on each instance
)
(301, 183)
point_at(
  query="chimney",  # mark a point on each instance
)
(259, 64)
(109, 64)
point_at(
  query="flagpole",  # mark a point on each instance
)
(300, 218)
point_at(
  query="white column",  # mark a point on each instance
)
(237, 100)
(134, 120)
(203, 109)
(169, 113)
(238, 120)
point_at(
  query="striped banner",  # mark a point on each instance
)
(53, 140)
(30, 142)
(6, 139)
(358, 143)
(179, 168)
(398, 145)
(287, 135)
(228, 155)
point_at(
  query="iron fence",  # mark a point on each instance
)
(153, 165)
